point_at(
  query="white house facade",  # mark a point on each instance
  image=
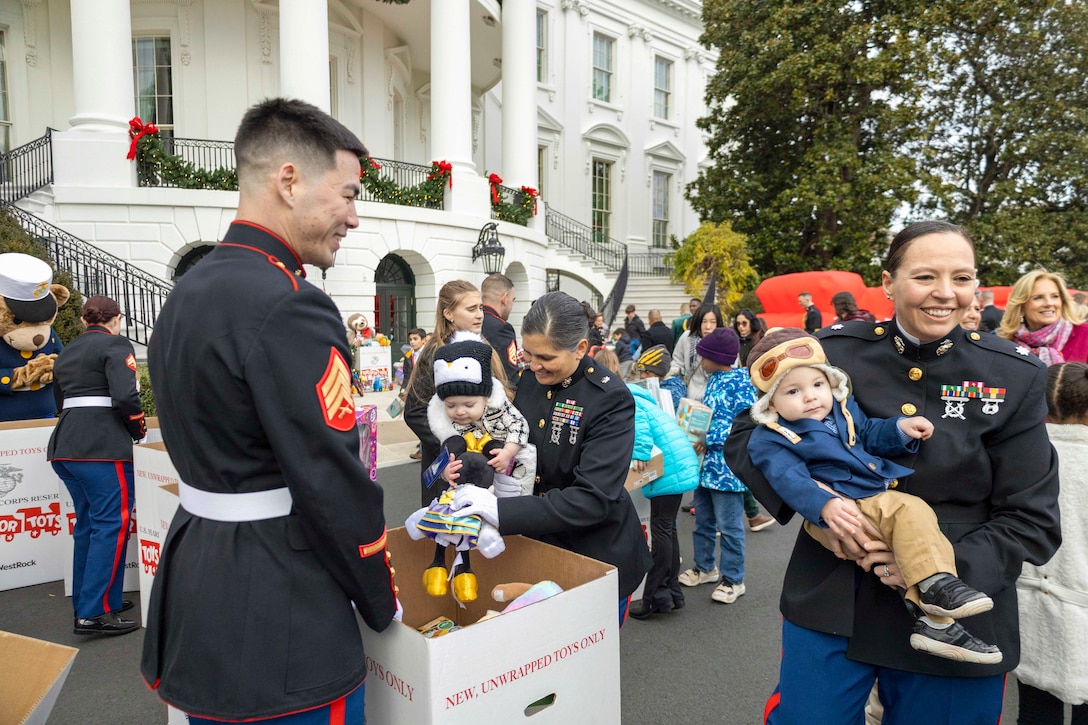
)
(593, 103)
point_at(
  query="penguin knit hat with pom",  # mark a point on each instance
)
(463, 367)
(782, 349)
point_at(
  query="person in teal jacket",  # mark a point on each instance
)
(653, 427)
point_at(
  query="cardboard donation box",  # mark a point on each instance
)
(366, 416)
(31, 522)
(34, 672)
(557, 660)
(694, 418)
(156, 501)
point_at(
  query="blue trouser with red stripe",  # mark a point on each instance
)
(818, 684)
(348, 710)
(102, 494)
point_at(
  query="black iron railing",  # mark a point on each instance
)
(652, 264)
(202, 154)
(611, 305)
(401, 183)
(27, 168)
(580, 237)
(514, 205)
(95, 272)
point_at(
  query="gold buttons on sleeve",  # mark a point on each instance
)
(915, 374)
(909, 409)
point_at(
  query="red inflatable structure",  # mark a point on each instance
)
(778, 295)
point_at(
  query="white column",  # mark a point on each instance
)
(451, 105)
(93, 152)
(102, 65)
(304, 51)
(519, 117)
(451, 83)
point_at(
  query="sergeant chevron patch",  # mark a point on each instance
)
(334, 393)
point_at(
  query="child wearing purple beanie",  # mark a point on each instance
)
(719, 500)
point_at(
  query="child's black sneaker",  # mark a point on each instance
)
(953, 643)
(950, 597)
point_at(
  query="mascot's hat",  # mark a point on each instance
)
(24, 284)
(463, 367)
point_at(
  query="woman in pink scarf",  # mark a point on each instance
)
(1040, 316)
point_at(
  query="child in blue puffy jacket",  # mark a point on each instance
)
(654, 427)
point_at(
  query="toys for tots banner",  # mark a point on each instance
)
(31, 548)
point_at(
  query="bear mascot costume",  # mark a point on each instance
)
(28, 306)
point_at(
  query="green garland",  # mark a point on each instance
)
(426, 193)
(518, 211)
(156, 167)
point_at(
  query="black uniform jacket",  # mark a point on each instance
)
(584, 434)
(500, 334)
(254, 619)
(989, 473)
(100, 364)
(658, 334)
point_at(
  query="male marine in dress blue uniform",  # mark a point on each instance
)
(280, 535)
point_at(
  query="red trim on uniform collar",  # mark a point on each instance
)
(489, 310)
(268, 231)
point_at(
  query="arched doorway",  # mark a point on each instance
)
(395, 301)
(190, 259)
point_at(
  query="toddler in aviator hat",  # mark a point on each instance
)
(812, 430)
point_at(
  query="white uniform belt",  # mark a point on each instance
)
(88, 401)
(255, 506)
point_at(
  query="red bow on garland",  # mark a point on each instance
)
(494, 180)
(532, 194)
(137, 129)
(445, 168)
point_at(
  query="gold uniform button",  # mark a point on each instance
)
(872, 466)
(909, 409)
(589, 370)
(540, 424)
(894, 483)
(975, 336)
(915, 374)
(878, 330)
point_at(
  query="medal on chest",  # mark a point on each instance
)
(566, 413)
(956, 398)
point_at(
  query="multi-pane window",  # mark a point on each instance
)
(5, 111)
(154, 83)
(601, 212)
(661, 208)
(541, 57)
(662, 86)
(602, 67)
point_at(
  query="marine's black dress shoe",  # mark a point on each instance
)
(126, 604)
(108, 623)
(643, 609)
